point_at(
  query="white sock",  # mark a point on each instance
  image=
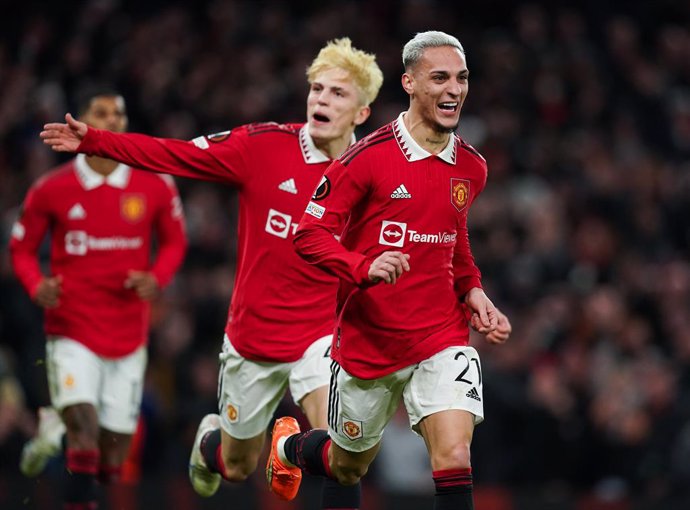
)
(281, 452)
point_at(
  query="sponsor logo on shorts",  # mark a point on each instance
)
(473, 393)
(233, 413)
(352, 428)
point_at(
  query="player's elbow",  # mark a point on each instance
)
(300, 242)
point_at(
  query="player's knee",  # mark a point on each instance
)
(456, 456)
(349, 473)
(238, 469)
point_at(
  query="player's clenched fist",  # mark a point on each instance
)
(389, 266)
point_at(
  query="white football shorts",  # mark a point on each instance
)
(114, 386)
(359, 409)
(249, 391)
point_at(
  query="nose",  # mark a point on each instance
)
(455, 89)
(322, 97)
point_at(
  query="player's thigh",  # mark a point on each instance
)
(448, 435)
(123, 386)
(359, 409)
(74, 373)
(309, 380)
(449, 380)
(248, 392)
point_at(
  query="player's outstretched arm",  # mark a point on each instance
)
(64, 137)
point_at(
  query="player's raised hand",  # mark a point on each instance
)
(481, 306)
(498, 335)
(48, 292)
(64, 137)
(144, 283)
(389, 266)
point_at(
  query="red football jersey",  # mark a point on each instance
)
(280, 304)
(391, 194)
(100, 228)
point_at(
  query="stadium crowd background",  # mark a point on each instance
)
(583, 232)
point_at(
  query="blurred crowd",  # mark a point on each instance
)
(582, 234)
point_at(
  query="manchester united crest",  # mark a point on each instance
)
(459, 193)
(232, 413)
(133, 207)
(352, 428)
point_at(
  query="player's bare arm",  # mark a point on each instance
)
(486, 311)
(389, 266)
(64, 137)
(144, 283)
(48, 292)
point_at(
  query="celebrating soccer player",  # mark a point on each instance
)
(102, 217)
(282, 312)
(409, 284)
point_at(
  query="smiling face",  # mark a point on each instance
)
(106, 112)
(334, 108)
(437, 85)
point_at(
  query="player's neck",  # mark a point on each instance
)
(100, 165)
(425, 135)
(334, 148)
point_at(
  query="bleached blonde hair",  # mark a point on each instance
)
(414, 49)
(360, 65)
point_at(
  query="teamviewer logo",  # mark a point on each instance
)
(278, 223)
(392, 233)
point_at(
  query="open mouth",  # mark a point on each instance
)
(450, 107)
(321, 118)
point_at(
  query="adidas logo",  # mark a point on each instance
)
(473, 393)
(401, 192)
(288, 186)
(77, 212)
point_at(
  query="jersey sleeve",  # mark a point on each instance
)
(466, 274)
(27, 234)
(170, 232)
(341, 188)
(218, 158)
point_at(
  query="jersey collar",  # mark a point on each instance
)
(90, 179)
(310, 152)
(413, 151)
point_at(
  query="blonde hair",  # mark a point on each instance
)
(361, 66)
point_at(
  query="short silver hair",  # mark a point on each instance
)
(415, 47)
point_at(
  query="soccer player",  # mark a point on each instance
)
(409, 284)
(282, 312)
(102, 217)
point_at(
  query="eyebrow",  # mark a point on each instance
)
(464, 72)
(332, 88)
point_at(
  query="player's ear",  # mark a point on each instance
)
(362, 115)
(408, 83)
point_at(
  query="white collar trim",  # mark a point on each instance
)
(90, 179)
(310, 152)
(413, 151)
